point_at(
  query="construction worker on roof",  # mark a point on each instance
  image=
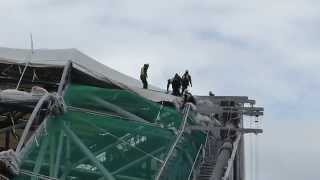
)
(186, 81)
(168, 84)
(188, 98)
(176, 85)
(144, 75)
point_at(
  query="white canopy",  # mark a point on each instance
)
(82, 62)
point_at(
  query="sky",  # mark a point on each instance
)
(267, 50)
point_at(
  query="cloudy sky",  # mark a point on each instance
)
(266, 49)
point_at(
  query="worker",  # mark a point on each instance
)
(176, 85)
(144, 75)
(188, 98)
(211, 93)
(168, 85)
(186, 81)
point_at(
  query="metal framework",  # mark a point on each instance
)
(219, 154)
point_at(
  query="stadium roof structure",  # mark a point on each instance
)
(93, 122)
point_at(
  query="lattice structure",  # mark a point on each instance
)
(96, 123)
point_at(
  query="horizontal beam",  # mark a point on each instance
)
(12, 79)
(10, 127)
(119, 110)
(237, 99)
(241, 130)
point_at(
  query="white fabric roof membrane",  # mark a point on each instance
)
(82, 62)
(60, 57)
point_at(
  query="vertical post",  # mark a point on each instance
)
(241, 154)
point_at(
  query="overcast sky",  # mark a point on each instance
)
(268, 50)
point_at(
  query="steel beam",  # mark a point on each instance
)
(241, 130)
(30, 121)
(87, 152)
(129, 178)
(29, 143)
(64, 77)
(119, 110)
(14, 80)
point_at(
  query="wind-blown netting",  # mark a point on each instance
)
(91, 141)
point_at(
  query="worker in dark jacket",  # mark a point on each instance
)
(186, 81)
(176, 85)
(144, 75)
(168, 84)
(188, 98)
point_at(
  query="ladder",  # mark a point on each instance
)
(209, 160)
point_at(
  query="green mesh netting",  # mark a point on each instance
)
(88, 97)
(126, 149)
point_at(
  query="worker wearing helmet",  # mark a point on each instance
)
(144, 75)
(186, 81)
